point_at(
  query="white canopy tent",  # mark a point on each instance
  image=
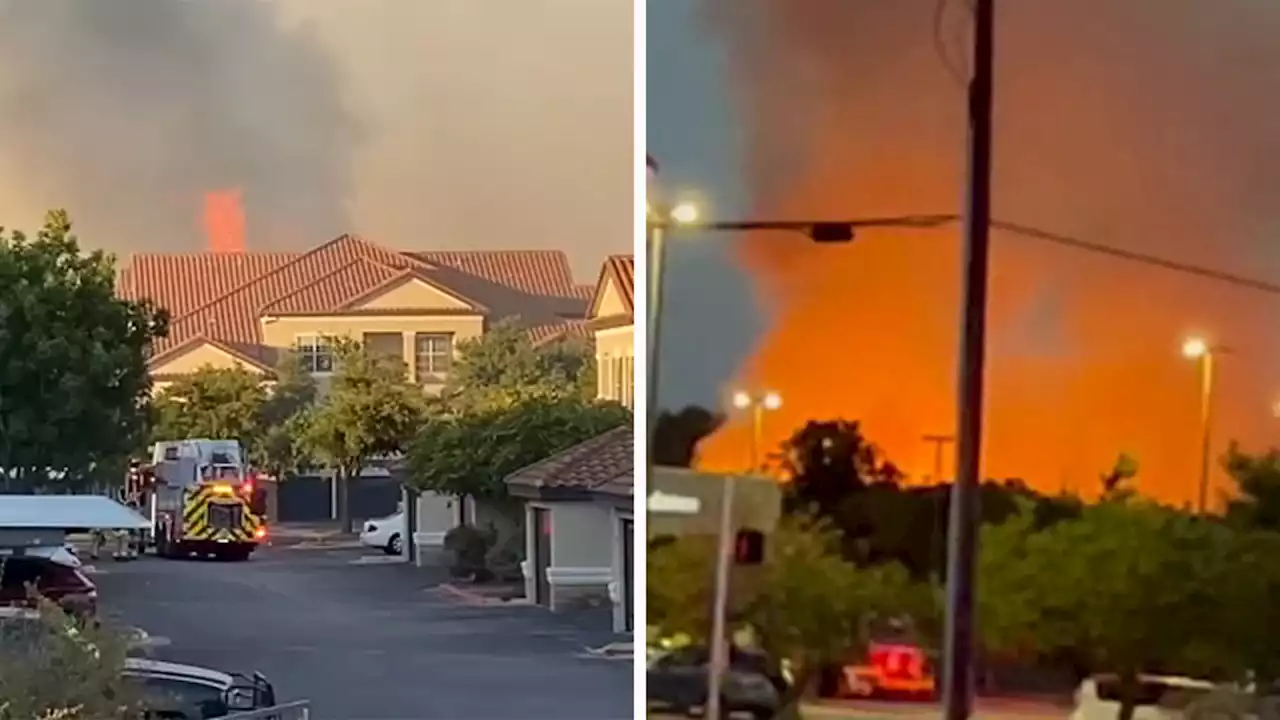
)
(67, 512)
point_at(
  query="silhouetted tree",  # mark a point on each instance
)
(1257, 478)
(828, 463)
(676, 435)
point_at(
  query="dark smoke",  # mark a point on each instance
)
(128, 111)
(1145, 124)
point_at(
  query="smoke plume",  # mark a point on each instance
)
(129, 111)
(1144, 124)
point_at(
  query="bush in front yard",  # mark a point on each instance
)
(470, 549)
(56, 668)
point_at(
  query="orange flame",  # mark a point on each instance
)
(224, 223)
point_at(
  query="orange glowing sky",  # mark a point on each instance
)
(1129, 123)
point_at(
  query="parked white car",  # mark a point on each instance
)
(1160, 697)
(386, 534)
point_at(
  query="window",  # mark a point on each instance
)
(315, 353)
(177, 697)
(385, 344)
(432, 356)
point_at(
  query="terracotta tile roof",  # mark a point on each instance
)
(585, 292)
(223, 296)
(621, 269)
(247, 354)
(603, 463)
(234, 317)
(535, 272)
(551, 332)
(183, 282)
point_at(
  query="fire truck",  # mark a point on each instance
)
(201, 499)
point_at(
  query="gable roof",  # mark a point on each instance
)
(604, 464)
(183, 282)
(541, 335)
(223, 296)
(621, 270)
(234, 317)
(244, 354)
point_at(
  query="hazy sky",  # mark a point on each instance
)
(708, 323)
(428, 124)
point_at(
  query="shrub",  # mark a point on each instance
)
(470, 548)
(53, 667)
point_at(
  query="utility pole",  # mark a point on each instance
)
(958, 675)
(939, 442)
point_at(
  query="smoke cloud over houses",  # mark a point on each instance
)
(128, 111)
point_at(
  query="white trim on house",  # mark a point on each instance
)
(620, 579)
(578, 576)
(429, 539)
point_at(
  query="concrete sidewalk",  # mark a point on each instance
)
(310, 535)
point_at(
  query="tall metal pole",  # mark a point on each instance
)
(1206, 426)
(657, 250)
(719, 610)
(962, 548)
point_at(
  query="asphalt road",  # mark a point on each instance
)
(367, 641)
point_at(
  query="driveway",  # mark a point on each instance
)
(367, 639)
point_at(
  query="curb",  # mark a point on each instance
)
(317, 544)
(474, 599)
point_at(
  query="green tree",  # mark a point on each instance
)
(504, 366)
(278, 447)
(53, 668)
(470, 453)
(1257, 480)
(1127, 588)
(806, 604)
(217, 403)
(370, 409)
(74, 387)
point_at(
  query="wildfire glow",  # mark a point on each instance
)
(223, 221)
(1083, 360)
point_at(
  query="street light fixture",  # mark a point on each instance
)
(757, 404)
(1194, 348)
(1199, 350)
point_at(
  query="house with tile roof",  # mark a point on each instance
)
(244, 309)
(579, 521)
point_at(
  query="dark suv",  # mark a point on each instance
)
(754, 684)
(67, 586)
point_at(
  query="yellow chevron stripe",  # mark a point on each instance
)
(195, 515)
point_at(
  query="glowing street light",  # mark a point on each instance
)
(1194, 348)
(685, 213)
(1199, 350)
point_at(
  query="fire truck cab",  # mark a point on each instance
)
(202, 499)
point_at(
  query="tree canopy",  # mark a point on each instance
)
(1127, 587)
(74, 387)
(806, 604)
(676, 435)
(267, 415)
(471, 453)
(370, 409)
(220, 403)
(504, 366)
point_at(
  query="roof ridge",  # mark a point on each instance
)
(414, 273)
(345, 237)
(259, 278)
(347, 267)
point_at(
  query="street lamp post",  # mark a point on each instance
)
(757, 405)
(1197, 349)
